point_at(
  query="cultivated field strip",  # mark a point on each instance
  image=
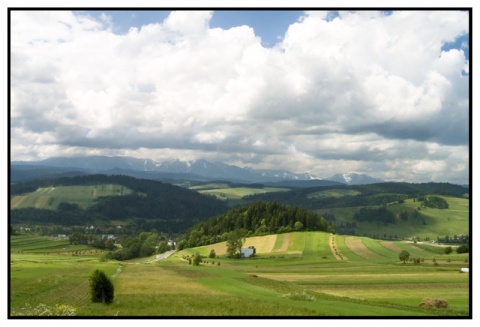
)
(281, 244)
(345, 250)
(263, 244)
(391, 246)
(356, 245)
(375, 246)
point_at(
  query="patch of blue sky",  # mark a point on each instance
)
(462, 42)
(269, 25)
(122, 20)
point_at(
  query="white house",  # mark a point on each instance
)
(465, 270)
(246, 252)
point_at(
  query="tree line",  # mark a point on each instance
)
(370, 195)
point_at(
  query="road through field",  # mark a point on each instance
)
(164, 255)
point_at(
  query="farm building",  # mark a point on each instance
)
(246, 252)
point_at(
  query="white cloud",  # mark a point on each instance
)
(345, 93)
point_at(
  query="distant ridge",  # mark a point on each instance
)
(201, 170)
(355, 179)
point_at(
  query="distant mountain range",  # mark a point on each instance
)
(355, 179)
(173, 170)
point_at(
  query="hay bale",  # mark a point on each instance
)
(434, 303)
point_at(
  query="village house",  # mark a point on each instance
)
(246, 252)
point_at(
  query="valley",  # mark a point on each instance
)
(322, 251)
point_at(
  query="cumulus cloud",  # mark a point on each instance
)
(367, 91)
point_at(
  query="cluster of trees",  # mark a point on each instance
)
(464, 248)
(381, 214)
(455, 239)
(93, 240)
(260, 218)
(143, 245)
(435, 202)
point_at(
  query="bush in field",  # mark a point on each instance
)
(212, 254)
(448, 250)
(463, 249)
(197, 259)
(101, 288)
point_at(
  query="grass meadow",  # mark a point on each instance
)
(293, 274)
(232, 194)
(428, 223)
(51, 197)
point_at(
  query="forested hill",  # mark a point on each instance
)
(359, 195)
(256, 219)
(166, 205)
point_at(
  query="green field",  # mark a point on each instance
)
(233, 194)
(51, 197)
(429, 222)
(333, 193)
(239, 192)
(293, 274)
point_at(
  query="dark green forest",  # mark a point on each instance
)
(370, 195)
(260, 218)
(152, 205)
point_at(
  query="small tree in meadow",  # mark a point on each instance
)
(404, 255)
(101, 288)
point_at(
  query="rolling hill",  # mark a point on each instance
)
(86, 199)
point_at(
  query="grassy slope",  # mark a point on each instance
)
(305, 279)
(51, 197)
(438, 222)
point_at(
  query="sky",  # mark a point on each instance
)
(382, 93)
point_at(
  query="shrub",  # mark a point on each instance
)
(101, 288)
(463, 249)
(197, 259)
(212, 254)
